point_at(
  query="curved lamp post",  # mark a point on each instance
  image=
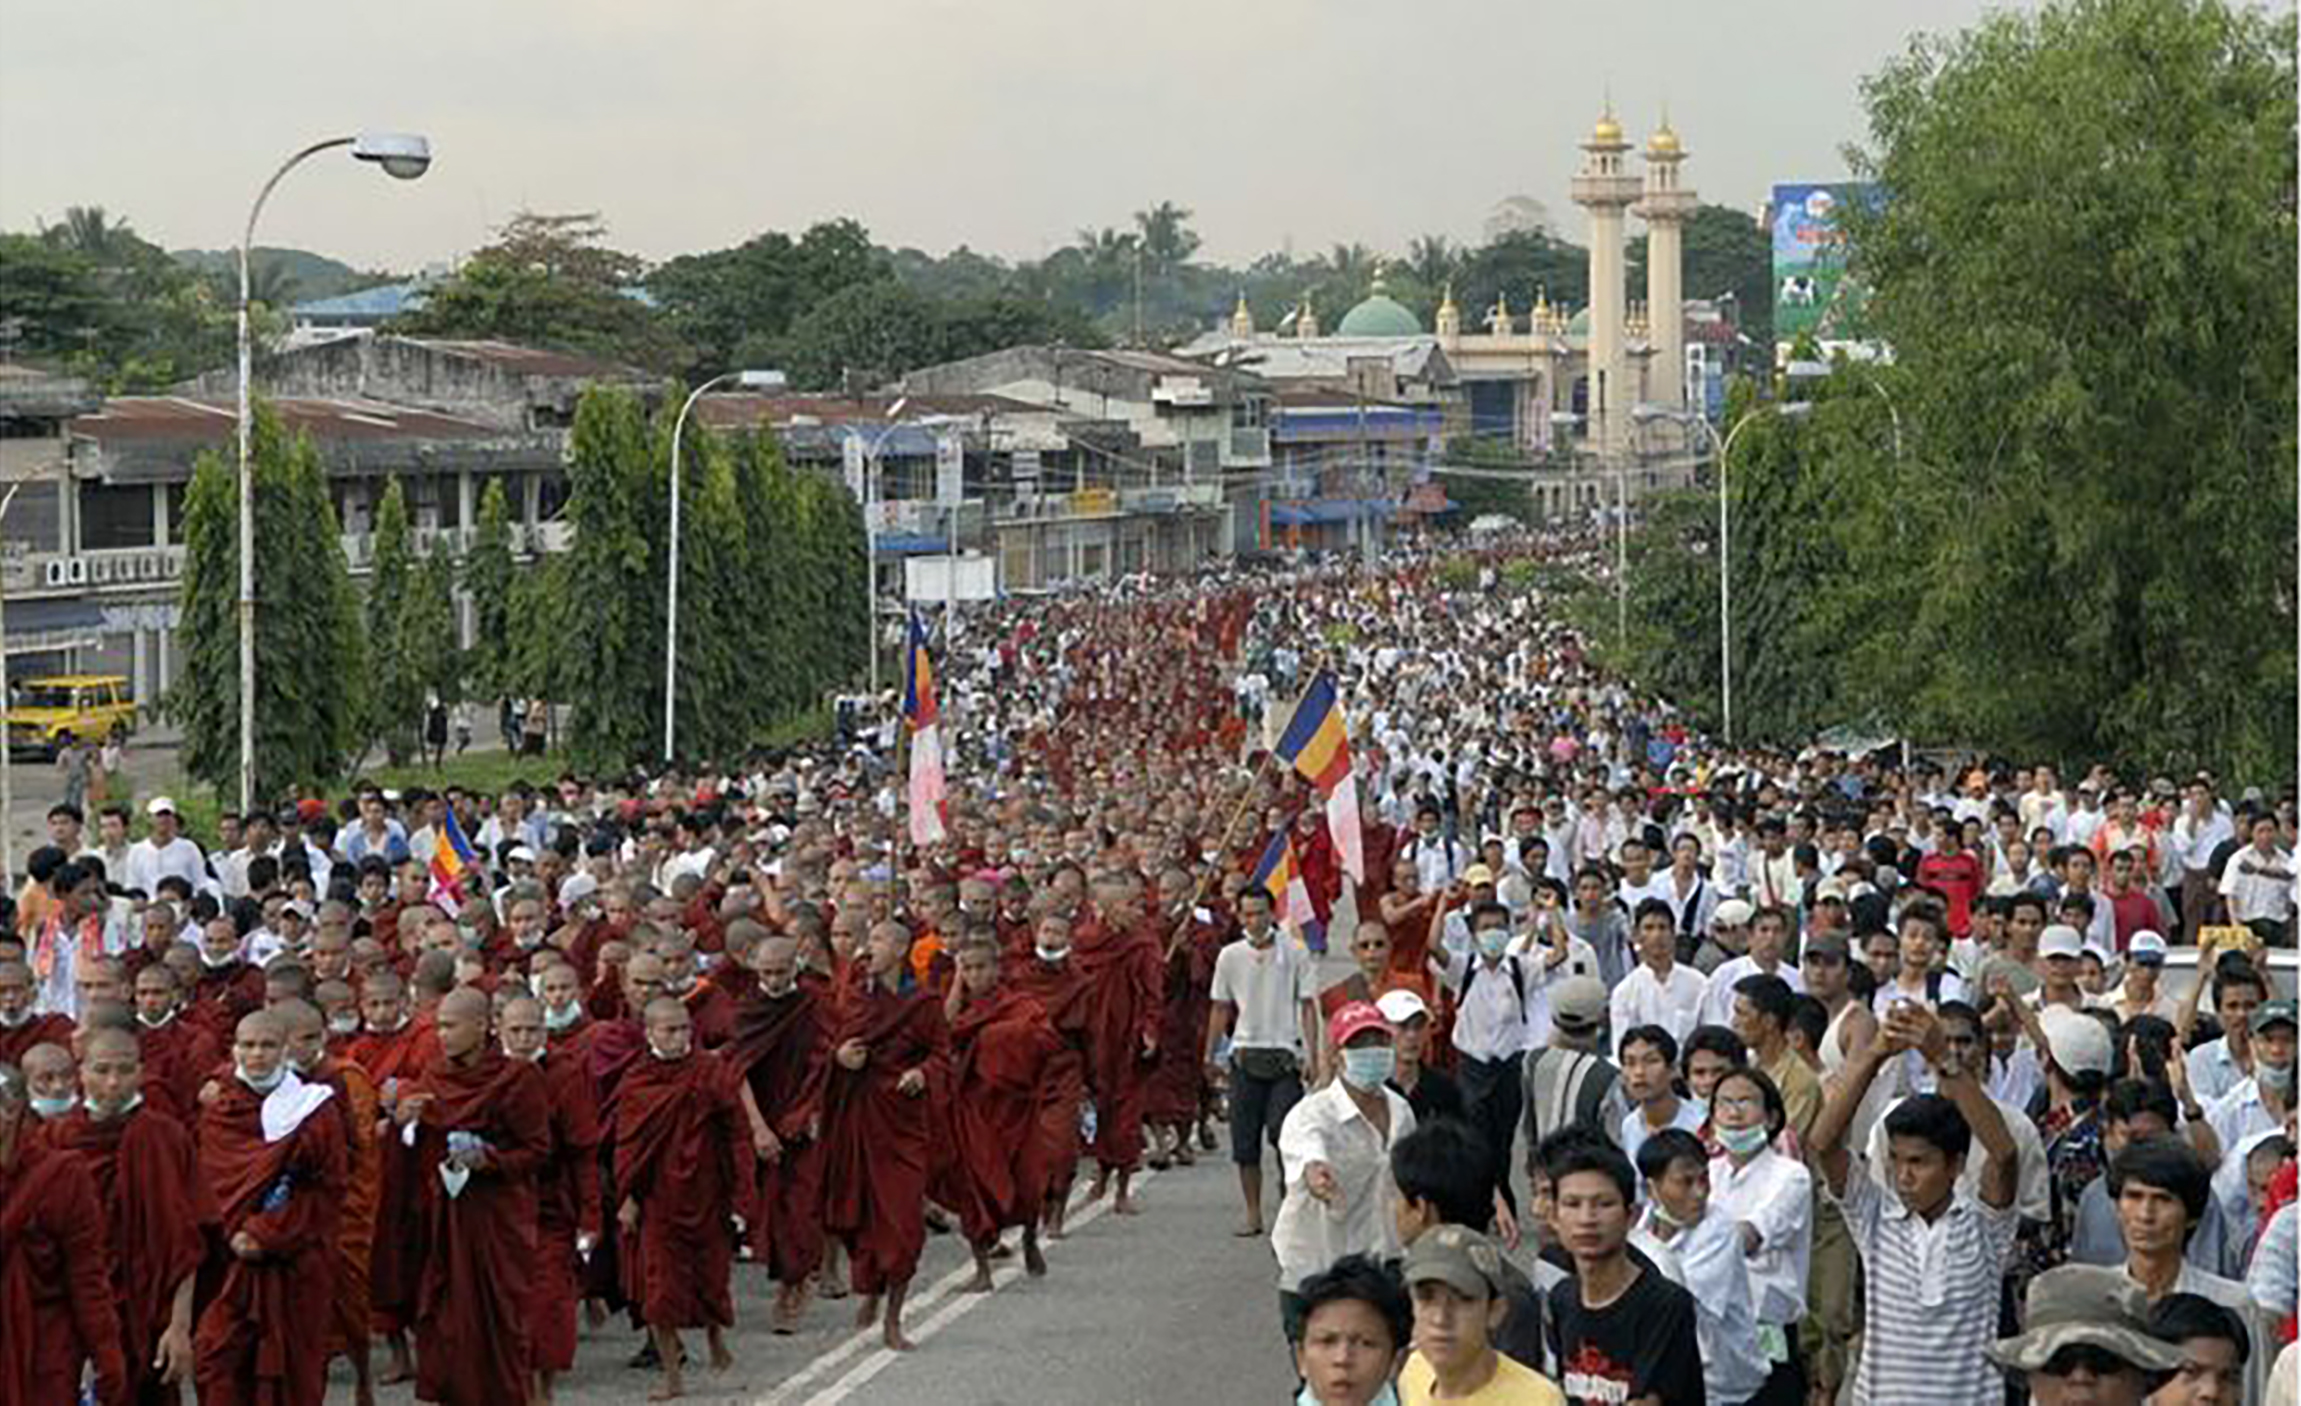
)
(749, 380)
(404, 157)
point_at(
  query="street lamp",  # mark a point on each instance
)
(403, 156)
(871, 450)
(1646, 414)
(749, 380)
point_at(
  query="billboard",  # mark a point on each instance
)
(1811, 291)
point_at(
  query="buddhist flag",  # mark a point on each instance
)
(1316, 744)
(925, 721)
(451, 859)
(1278, 875)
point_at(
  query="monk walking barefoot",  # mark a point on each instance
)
(683, 1173)
(887, 1046)
(1001, 1044)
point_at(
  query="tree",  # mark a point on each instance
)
(552, 281)
(309, 653)
(1724, 252)
(489, 571)
(2085, 268)
(863, 335)
(429, 636)
(614, 621)
(736, 306)
(1166, 238)
(396, 697)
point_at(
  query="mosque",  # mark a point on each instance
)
(1546, 377)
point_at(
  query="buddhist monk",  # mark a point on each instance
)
(179, 1055)
(394, 1051)
(227, 987)
(567, 1026)
(54, 1081)
(887, 1043)
(780, 1054)
(363, 1185)
(682, 1180)
(1001, 1044)
(1119, 952)
(55, 1263)
(483, 1128)
(1048, 977)
(20, 1029)
(567, 1187)
(156, 1211)
(617, 1044)
(277, 1171)
(1172, 1089)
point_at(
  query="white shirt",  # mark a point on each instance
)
(2257, 896)
(1673, 1002)
(1774, 1194)
(1310, 1234)
(1718, 1006)
(1691, 1114)
(2240, 1113)
(1534, 955)
(1267, 985)
(149, 863)
(2213, 1072)
(1708, 1264)
(1491, 1019)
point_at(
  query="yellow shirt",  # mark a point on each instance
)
(1513, 1384)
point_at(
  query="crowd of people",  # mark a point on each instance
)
(1601, 1064)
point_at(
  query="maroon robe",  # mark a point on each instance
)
(480, 1244)
(395, 1062)
(877, 1141)
(712, 1011)
(681, 1153)
(1000, 1049)
(1064, 995)
(56, 1309)
(1171, 1095)
(262, 1338)
(780, 1048)
(36, 1030)
(222, 995)
(567, 1206)
(179, 1057)
(156, 1213)
(1122, 971)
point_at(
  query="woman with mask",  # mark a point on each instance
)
(1334, 1149)
(1771, 1197)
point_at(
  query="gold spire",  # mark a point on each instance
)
(1242, 318)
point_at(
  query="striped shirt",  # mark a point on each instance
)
(1930, 1296)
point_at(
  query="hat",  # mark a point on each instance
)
(2147, 948)
(1829, 943)
(1401, 1006)
(2060, 940)
(1458, 1257)
(2084, 1305)
(1733, 913)
(519, 854)
(310, 808)
(159, 805)
(2270, 1013)
(2078, 1043)
(577, 887)
(1355, 1018)
(1579, 1003)
(1478, 874)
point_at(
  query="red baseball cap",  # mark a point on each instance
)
(1352, 1019)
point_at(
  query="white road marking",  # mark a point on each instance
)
(790, 1389)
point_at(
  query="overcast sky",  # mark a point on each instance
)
(1005, 125)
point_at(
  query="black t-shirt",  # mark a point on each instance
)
(1642, 1344)
(1435, 1095)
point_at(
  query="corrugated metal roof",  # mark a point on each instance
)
(388, 300)
(526, 361)
(165, 417)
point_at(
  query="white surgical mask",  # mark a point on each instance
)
(1365, 1069)
(265, 1084)
(1052, 954)
(213, 962)
(49, 1106)
(776, 991)
(102, 1114)
(344, 1025)
(561, 1017)
(1742, 1142)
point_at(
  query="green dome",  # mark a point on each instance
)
(1579, 326)
(1379, 316)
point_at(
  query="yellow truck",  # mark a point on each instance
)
(44, 712)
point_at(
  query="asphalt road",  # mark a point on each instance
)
(1160, 1307)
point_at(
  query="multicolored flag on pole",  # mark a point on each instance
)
(452, 859)
(1277, 874)
(1316, 744)
(920, 712)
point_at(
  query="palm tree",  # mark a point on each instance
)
(1167, 238)
(1433, 260)
(88, 230)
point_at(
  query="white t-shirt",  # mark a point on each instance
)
(1267, 985)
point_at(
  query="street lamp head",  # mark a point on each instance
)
(1646, 413)
(895, 411)
(403, 155)
(761, 380)
(1794, 409)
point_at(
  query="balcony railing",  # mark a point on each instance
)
(131, 569)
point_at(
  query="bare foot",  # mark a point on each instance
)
(868, 1313)
(894, 1338)
(363, 1394)
(595, 1314)
(831, 1286)
(396, 1373)
(1034, 1263)
(721, 1358)
(671, 1389)
(980, 1284)
(1127, 1205)
(1247, 1229)
(1001, 1251)
(1099, 1186)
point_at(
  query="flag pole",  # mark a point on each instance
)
(1222, 847)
